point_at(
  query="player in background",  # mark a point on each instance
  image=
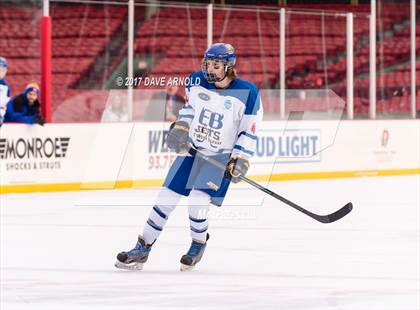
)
(4, 89)
(219, 119)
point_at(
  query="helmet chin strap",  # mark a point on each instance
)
(224, 76)
(221, 80)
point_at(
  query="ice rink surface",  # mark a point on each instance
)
(58, 250)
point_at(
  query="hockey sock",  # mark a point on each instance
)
(198, 208)
(166, 202)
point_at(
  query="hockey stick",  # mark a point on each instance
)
(329, 218)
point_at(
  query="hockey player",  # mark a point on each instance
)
(4, 89)
(219, 119)
(25, 107)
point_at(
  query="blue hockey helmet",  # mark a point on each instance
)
(222, 52)
(3, 62)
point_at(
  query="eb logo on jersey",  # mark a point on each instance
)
(211, 119)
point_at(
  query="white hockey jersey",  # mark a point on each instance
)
(222, 120)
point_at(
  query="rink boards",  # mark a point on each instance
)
(61, 157)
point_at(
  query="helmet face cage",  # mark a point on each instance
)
(224, 53)
(212, 77)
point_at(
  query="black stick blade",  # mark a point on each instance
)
(336, 215)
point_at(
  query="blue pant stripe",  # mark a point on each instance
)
(197, 220)
(153, 224)
(199, 231)
(160, 212)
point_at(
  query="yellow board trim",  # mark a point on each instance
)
(29, 188)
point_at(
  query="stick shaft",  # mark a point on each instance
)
(320, 218)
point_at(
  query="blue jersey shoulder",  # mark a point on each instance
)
(197, 79)
(252, 100)
(4, 82)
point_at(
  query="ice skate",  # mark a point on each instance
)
(196, 251)
(135, 258)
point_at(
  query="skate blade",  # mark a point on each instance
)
(132, 266)
(186, 267)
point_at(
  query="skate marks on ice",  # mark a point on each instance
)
(200, 289)
(57, 255)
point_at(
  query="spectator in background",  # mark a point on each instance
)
(24, 108)
(164, 106)
(115, 111)
(4, 89)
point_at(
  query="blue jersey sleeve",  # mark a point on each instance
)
(246, 142)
